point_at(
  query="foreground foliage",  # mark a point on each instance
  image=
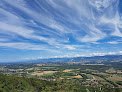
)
(22, 84)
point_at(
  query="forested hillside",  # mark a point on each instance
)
(22, 84)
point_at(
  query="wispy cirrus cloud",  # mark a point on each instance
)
(59, 25)
(26, 46)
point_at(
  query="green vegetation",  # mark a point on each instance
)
(119, 82)
(22, 84)
(60, 77)
(89, 76)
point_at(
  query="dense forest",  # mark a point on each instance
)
(23, 84)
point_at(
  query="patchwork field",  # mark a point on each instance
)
(115, 78)
(89, 76)
(86, 75)
(106, 83)
(43, 73)
(29, 69)
(78, 76)
(98, 78)
(40, 64)
(68, 70)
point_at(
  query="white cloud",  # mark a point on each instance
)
(103, 54)
(98, 54)
(77, 55)
(2, 40)
(120, 52)
(95, 42)
(112, 53)
(113, 42)
(27, 46)
(95, 35)
(70, 47)
(81, 19)
(79, 8)
(20, 31)
(8, 17)
(25, 32)
(21, 45)
(101, 4)
(115, 24)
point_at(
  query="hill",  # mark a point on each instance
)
(22, 84)
(77, 59)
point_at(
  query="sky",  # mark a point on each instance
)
(31, 29)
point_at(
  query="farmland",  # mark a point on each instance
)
(90, 76)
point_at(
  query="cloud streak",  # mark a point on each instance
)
(58, 25)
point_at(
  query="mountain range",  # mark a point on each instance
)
(82, 59)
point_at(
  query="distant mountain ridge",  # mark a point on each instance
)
(78, 59)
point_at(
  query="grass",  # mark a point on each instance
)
(105, 74)
(98, 78)
(114, 78)
(89, 76)
(70, 77)
(106, 83)
(30, 75)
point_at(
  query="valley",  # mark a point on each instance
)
(94, 75)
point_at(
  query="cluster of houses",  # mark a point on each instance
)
(91, 83)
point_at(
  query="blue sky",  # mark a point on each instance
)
(31, 29)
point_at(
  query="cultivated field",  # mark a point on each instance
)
(78, 76)
(43, 73)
